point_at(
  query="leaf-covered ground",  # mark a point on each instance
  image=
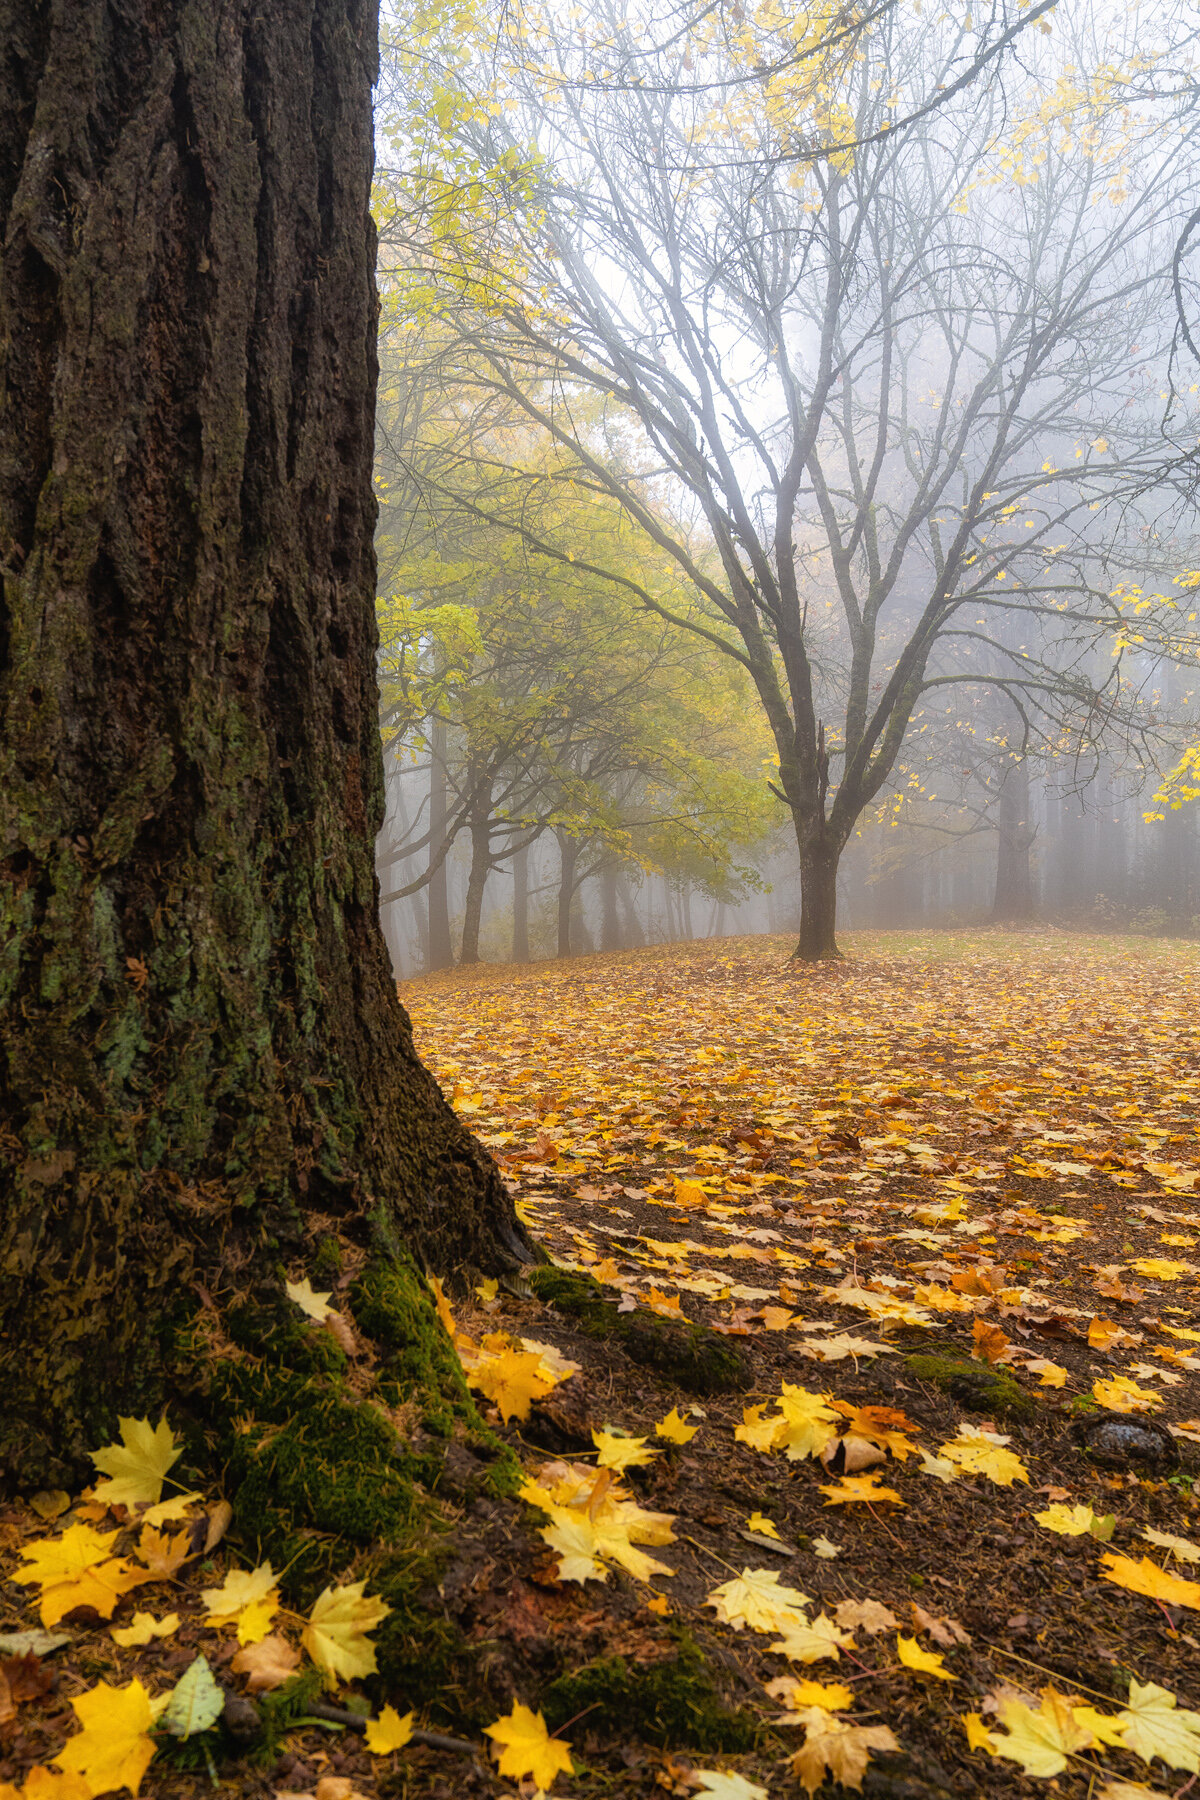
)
(924, 1495)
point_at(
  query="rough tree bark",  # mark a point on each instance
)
(201, 1049)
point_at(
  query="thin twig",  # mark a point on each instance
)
(433, 1740)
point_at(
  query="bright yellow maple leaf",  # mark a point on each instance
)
(137, 1466)
(978, 1735)
(924, 1662)
(512, 1379)
(47, 1784)
(1147, 1578)
(1042, 1741)
(389, 1731)
(1155, 1727)
(526, 1747)
(249, 1595)
(1076, 1521)
(980, 1452)
(762, 1525)
(675, 1428)
(833, 1696)
(114, 1748)
(76, 1570)
(143, 1628)
(755, 1598)
(336, 1633)
(616, 1452)
(859, 1490)
(1122, 1395)
(1160, 1268)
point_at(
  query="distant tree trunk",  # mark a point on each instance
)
(634, 934)
(568, 854)
(1012, 903)
(520, 942)
(481, 868)
(610, 918)
(204, 1069)
(441, 947)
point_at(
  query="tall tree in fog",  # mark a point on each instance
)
(891, 378)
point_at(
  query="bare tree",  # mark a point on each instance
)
(887, 389)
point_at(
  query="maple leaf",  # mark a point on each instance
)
(247, 1598)
(163, 1554)
(832, 1696)
(755, 1598)
(806, 1423)
(137, 1466)
(1147, 1578)
(839, 1347)
(620, 1453)
(527, 1747)
(755, 1430)
(990, 1343)
(512, 1379)
(981, 1452)
(48, 1784)
(169, 1510)
(1041, 1740)
(266, 1664)
(1076, 1521)
(1154, 1726)
(884, 1426)
(675, 1428)
(1052, 1374)
(336, 1633)
(76, 1570)
(808, 1643)
(1179, 1547)
(833, 1747)
(1122, 1395)
(389, 1731)
(924, 1662)
(316, 1306)
(762, 1525)
(727, 1785)
(939, 1466)
(114, 1748)
(861, 1489)
(870, 1616)
(142, 1628)
(978, 1735)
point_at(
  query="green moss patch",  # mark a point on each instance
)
(974, 1385)
(691, 1356)
(673, 1702)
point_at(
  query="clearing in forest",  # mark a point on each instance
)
(951, 1188)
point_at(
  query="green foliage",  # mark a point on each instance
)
(674, 1702)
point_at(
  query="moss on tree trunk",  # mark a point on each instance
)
(203, 1065)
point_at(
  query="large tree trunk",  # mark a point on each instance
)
(202, 1055)
(818, 904)
(441, 949)
(610, 918)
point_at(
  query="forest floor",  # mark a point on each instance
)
(941, 1203)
